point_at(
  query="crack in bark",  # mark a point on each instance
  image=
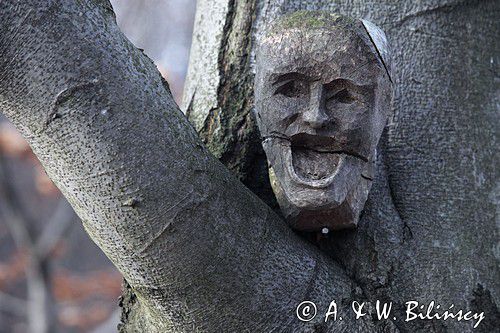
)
(446, 7)
(189, 108)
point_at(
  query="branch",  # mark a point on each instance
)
(110, 324)
(56, 228)
(199, 249)
(12, 304)
(11, 210)
(39, 307)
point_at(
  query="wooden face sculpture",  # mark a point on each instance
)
(323, 92)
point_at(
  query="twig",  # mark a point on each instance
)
(56, 228)
(12, 304)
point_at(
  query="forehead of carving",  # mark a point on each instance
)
(324, 47)
(312, 20)
(320, 57)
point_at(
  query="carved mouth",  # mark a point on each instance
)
(315, 160)
(312, 160)
(311, 164)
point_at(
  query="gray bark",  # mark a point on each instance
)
(199, 250)
(429, 230)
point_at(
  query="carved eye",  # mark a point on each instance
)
(343, 96)
(293, 88)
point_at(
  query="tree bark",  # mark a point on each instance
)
(199, 250)
(429, 230)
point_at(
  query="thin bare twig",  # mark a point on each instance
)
(11, 210)
(58, 225)
(12, 304)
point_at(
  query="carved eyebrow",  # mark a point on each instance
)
(289, 76)
(346, 83)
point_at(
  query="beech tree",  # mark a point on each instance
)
(184, 209)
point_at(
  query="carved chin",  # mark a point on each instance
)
(317, 189)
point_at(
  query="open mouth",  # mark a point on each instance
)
(315, 161)
(314, 157)
(310, 164)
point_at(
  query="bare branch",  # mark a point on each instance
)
(12, 304)
(110, 324)
(12, 210)
(125, 157)
(58, 225)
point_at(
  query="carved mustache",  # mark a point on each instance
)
(317, 143)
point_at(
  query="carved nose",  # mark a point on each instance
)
(315, 115)
(315, 118)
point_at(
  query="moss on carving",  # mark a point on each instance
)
(311, 20)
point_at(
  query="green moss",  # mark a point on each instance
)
(311, 20)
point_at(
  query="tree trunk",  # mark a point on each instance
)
(429, 230)
(202, 253)
(199, 250)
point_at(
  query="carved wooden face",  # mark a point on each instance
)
(322, 98)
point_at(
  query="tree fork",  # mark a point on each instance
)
(95, 111)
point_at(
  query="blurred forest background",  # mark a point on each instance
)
(49, 268)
